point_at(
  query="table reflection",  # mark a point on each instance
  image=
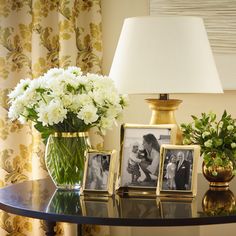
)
(179, 208)
(65, 202)
(219, 202)
(213, 203)
(138, 207)
(40, 199)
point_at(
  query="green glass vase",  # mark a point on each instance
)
(65, 157)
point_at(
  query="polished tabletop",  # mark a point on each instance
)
(40, 199)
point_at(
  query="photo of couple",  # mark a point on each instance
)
(141, 156)
(177, 171)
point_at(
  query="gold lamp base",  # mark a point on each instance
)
(163, 113)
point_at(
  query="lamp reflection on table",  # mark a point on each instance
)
(218, 202)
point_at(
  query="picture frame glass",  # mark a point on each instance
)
(140, 157)
(177, 170)
(97, 171)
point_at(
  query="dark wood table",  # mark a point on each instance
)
(40, 199)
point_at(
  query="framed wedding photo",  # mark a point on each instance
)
(178, 170)
(140, 156)
(99, 173)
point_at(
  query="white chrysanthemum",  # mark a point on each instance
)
(84, 99)
(52, 113)
(37, 83)
(113, 111)
(35, 92)
(19, 89)
(84, 84)
(102, 83)
(54, 73)
(75, 102)
(17, 107)
(67, 100)
(113, 98)
(74, 70)
(124, 100)
(98, 97)
(105, 123)
(88, 114)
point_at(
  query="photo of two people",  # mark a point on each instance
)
(141, 155)
(177, 171)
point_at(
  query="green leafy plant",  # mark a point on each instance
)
(217, 139)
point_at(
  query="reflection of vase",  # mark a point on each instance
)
(65, 202)
(65, 155)
(218, 202)
(224, 175)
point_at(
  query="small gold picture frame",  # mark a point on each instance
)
(140, 157)
(178, 172)
(99, 173)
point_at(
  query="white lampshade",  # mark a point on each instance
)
(164, 55)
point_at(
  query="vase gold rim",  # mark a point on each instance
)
(70, 134)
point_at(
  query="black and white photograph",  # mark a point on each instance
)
(178, 164)
(140, 157)
(99, 172)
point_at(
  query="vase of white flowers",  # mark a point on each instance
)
(64, 104)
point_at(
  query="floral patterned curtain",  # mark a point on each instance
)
(36, 35)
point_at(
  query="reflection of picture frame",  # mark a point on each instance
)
(178, 172)
(98, 207)
(99, 173)
(177, 208)
(142, 208)
(140, 156)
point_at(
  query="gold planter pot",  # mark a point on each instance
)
(223, 177)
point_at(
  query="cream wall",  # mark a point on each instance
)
(113, 13)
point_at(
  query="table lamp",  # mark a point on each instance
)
(164, 55)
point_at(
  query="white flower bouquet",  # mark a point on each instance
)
(64, 104)
(66, 100)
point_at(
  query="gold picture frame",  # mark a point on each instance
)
(178, 172)
(99, 173)
(138, 173)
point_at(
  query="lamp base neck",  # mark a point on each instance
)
(163, 113)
